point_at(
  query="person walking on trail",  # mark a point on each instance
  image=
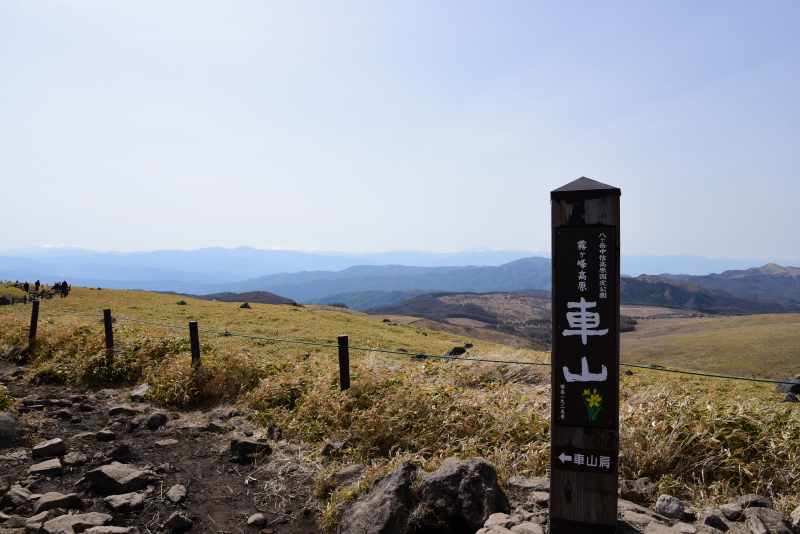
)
(64, 289)
(27, 287)
(37, 286)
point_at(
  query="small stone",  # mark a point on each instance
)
(274, 431)
(244, 448)
(178, 520)
(640, 490)
(336, 448)
(220, 414)
(713, 518)
(214, 426)
(684, 528)
(349, 473)
(121, 454)
(658, 528)
(53, 499)
(795, 515)
(541, 498)
(527, 528)
(732, 511)
(126, 502)
(64, 415)
(754, 501)
(499, 520)
(669, 506)
(46, 468)
(54, 447)
(626, 372)
(105, 435)
(140, 392)
(73, 459)
(124, 409)
(167, 442)
(156, 420)
(257, 520)
(75, 419)
(176, 493)
(14, 521)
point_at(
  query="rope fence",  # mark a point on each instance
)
(342, 345)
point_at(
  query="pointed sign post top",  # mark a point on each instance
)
(584, 188)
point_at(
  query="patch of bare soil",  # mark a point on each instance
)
(221, 493)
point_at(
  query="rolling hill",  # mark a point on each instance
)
(770, 282)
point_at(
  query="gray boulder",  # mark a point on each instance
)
(126, 502)
(10, 429)
(384, 508)
(53, 499)
(47, 468)
(462, 493)
(714, 518)
(754, 501)
(15, 496)
(640, 490)
(669, 506)
(178, 520)
(793, 387)
(54, 447)
(69, 524)
(140, 392)
(117, 478)
(156, 420)
(176, 493)
(775, 522)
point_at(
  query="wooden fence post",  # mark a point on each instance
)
(107, 319)
(344, 363)
(194, 337)
(34, 324)
(584, 422)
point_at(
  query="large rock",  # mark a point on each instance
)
(10, 429)
(69, 524)
(156, 420)
(669, 506)
(525, 487)
(54, 447)
(462, 493)
(117, 478)
(53, 499)
(126, 502)
(385, 508)
(640, 490)
(34, 523)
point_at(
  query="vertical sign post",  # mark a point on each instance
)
(194, 342)
(108, 322)
(584, 431)
(344, 363)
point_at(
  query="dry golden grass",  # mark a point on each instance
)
(701, 439)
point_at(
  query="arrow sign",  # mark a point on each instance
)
(565, 458)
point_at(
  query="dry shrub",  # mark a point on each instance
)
(389, 412)
(709, 450)
(7, 401)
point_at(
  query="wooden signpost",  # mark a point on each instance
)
(584, 423)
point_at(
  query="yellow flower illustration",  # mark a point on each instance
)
(586, 391)
(594, 400)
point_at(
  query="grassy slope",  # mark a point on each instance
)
(762, 346)
(700, 439)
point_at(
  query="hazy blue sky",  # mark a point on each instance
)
(375, 126)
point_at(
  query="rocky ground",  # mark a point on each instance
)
(89, 446)
(103, 462)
